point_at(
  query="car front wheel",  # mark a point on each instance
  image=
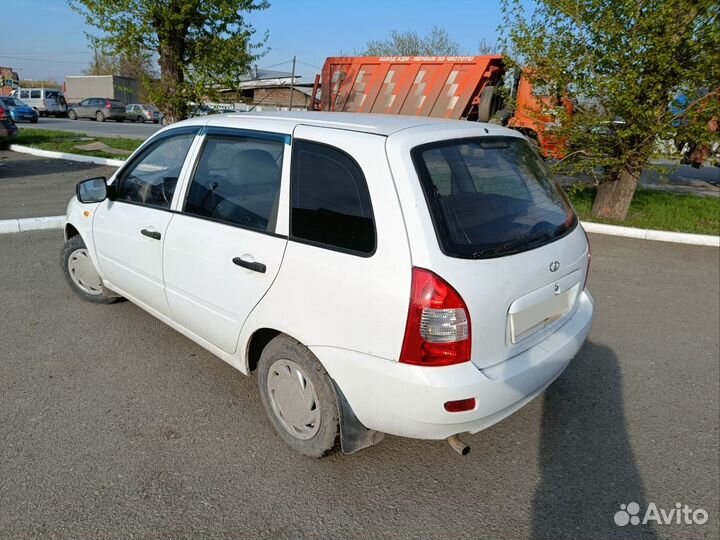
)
(299, 398)
(81, 275)
(72, 115)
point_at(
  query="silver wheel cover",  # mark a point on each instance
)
(293, 399)
(83, 274)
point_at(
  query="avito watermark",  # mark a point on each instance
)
(681, 514)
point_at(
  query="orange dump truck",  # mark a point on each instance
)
(458, 87)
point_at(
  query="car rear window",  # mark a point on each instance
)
(116, 103)
(491, 196)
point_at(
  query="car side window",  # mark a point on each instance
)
(24, 94)
(35, 94)
(151, 178)
(237, 181)
(330, 202)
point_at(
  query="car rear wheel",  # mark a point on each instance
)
(140, 119)
(299, 398)
(72, 115)
(99, 116)
(81, 275)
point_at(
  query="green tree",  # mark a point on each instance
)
(436, 43)
(201, 46)
(631, 60)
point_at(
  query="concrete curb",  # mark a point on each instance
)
(62, 155)
(31, 224)
(650, 234)
(57, 222)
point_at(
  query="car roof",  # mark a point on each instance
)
(286, 121)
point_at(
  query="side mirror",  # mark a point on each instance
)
(93, 190)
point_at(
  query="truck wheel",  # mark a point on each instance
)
(487, 105)
(299, 398)
(99, 116)
(81, 275)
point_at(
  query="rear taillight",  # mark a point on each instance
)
(437, 332)
(587, 271)
(108, 105)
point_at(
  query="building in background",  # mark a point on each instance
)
(79, 87)
(270, 90)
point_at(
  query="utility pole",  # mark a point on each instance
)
(292, 84)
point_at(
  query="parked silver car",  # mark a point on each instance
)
(100, 109)
(138, 112)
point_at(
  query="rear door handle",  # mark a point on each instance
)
(151, 234)
(254, 266)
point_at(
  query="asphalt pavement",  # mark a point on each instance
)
(112, 425)
(131, 130)
(33, 186)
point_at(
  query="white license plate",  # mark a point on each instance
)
(536, 317)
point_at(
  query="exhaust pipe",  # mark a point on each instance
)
(457, 445)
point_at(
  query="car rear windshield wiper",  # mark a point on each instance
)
(513, 245)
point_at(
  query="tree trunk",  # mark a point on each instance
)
(613, 197)
(171, 80)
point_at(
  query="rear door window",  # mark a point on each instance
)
(330, 202)
(237, 181)
(35, 94)
(491, 196)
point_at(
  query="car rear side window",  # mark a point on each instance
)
(490, 196)
(35, 94)
(330, 202)
(237, 181)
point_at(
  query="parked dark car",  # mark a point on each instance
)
(138, 112)
(8, 129)
(100, 109)
(19, 111)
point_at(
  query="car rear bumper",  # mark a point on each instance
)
(408, 401)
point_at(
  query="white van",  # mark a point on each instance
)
(380, 274)
(46, 101)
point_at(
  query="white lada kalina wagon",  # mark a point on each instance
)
(418, 277)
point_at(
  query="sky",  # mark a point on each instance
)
(44, 39)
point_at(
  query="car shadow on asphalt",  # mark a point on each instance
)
(587, 466)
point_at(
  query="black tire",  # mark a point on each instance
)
(326, 440)
(140, 119)
(99, 116)
(70, 249)
(72, 115)
(487, 105)
(34, 120)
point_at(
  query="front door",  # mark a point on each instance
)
(221, 251)
(129, 231)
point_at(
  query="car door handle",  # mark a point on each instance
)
(151, 234)
(254, 266)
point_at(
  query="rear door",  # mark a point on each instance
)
(221, 250)
(129, 231)
(493, 224)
